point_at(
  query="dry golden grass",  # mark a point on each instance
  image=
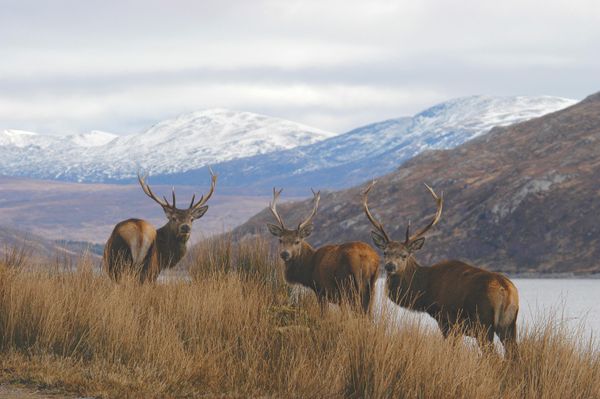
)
(231, 332)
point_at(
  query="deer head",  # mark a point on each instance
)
(180, 220)
(290, 241)
(397, 253)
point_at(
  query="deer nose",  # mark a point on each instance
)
(285, 255)
(390, 267)
(186, 228)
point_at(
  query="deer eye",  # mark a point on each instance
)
(280, 241)
(297, 242)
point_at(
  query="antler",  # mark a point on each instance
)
(149, 193)
(165, 203)
(439, 203)
(203, 200)
(317, 198)
(374, 222)
(273, 207)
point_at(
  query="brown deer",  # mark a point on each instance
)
(477, 302)
(333, 272)
(137, 248)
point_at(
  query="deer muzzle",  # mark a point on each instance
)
(390, 267)
(285, 255)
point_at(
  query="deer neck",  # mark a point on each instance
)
(408, 288)
(171, 247)
(299, 270)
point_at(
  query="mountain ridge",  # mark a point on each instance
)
(523, 198)
(255, 151)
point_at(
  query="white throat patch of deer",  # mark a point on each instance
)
(136, 247)
(461, 297)
(333, 272)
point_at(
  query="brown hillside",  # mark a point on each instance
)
(88, 212)
(522, 198)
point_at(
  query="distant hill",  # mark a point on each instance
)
(521, 198)
(14, 241)
(88, 212)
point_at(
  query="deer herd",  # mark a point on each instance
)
(460, 297)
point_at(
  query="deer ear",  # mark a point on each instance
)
(379, 240)
(277, 231)
(199, 212)
(305, 231)
(417, 244)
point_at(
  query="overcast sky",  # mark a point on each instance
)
(121, 66)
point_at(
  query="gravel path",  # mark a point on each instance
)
(18, 392)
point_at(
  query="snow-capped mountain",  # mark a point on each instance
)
(187, 142)
(379, 148)
(250, 150)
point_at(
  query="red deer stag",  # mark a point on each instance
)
(137, 248)
(454, 293)
(333, 272)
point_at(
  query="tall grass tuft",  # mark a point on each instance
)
(230, 332)
(250, 258)
(16, 256)
(211, 256)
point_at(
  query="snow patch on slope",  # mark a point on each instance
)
(187, 142)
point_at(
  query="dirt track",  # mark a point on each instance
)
(17, 392)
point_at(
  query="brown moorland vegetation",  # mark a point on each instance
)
(233, 330)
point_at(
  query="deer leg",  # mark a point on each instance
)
(366, 297)
(118, 262)
(445, 328)
(356, 292)
(508, 337)
(349, 291)
(372, 284)
(363, 288)
(322, 299)
(485, 339)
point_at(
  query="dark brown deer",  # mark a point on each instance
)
(333, 272)
(136, 247)
(475, 301)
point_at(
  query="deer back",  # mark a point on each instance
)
(464, 292)
(353, 260)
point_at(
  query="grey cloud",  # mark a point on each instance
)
(117, 56)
